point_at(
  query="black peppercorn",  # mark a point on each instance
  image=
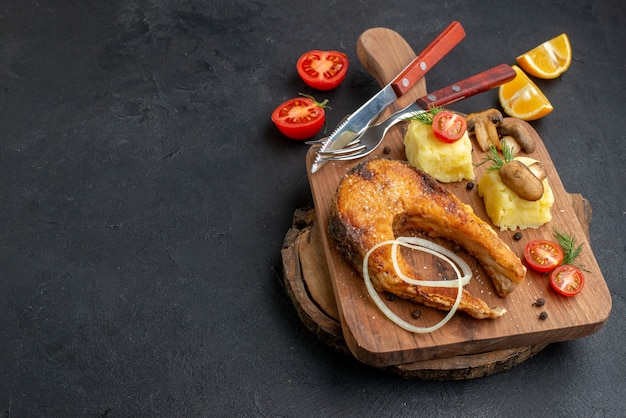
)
(391, 297)
(539, 302)
(386, 149)
(517, 236)
(470, 185)
(416, 314)
(543, 315)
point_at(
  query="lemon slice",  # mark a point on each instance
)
(522, 99)
(549, 60)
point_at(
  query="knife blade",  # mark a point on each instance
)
(354, 124)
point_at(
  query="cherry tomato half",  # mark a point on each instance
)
(299, 118)
(543, 255)
(448, 126)
(323, 70)
(568, 280)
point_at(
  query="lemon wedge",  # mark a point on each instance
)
(548, 60)
(522, 99)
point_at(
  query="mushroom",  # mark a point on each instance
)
(521, 130)
(482, 126)
(521, 180)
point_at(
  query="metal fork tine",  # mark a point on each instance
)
(348, 157)
(321, 141)
(315, 141)
(343, 151)
(327, 158)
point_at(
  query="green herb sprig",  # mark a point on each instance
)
(425, 118)
(568, 244)
(496, 161)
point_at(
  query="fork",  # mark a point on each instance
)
(371, 138)
(373, 135)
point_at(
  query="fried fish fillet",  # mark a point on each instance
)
(377, 199)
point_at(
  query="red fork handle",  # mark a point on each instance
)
(471, 86)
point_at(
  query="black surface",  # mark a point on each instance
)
(145, 195)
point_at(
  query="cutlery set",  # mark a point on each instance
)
(356, 136)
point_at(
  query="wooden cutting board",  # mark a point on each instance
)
(375, 340)
(308, 284)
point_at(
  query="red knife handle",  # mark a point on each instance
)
(475, 84)
(433, 53)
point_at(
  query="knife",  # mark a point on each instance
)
(352, 126)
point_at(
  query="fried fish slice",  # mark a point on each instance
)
(379, 198)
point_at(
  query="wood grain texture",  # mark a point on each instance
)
(382, 42)
(374, 340)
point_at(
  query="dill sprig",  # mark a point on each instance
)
(568, 244)
(496, 161)
(425, 117)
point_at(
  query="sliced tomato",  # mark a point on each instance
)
(543, 255)
(300, 118)
(323, 70)
(448, 126)
(568, 280)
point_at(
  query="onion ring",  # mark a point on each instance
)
(429, 247)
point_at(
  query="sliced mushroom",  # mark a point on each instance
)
(521, 130)
(512, 143)
(538, 170)
(483, 127)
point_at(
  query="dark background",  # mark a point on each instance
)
(145, 195)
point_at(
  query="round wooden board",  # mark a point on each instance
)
(308, 284)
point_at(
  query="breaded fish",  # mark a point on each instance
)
(377, 199)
